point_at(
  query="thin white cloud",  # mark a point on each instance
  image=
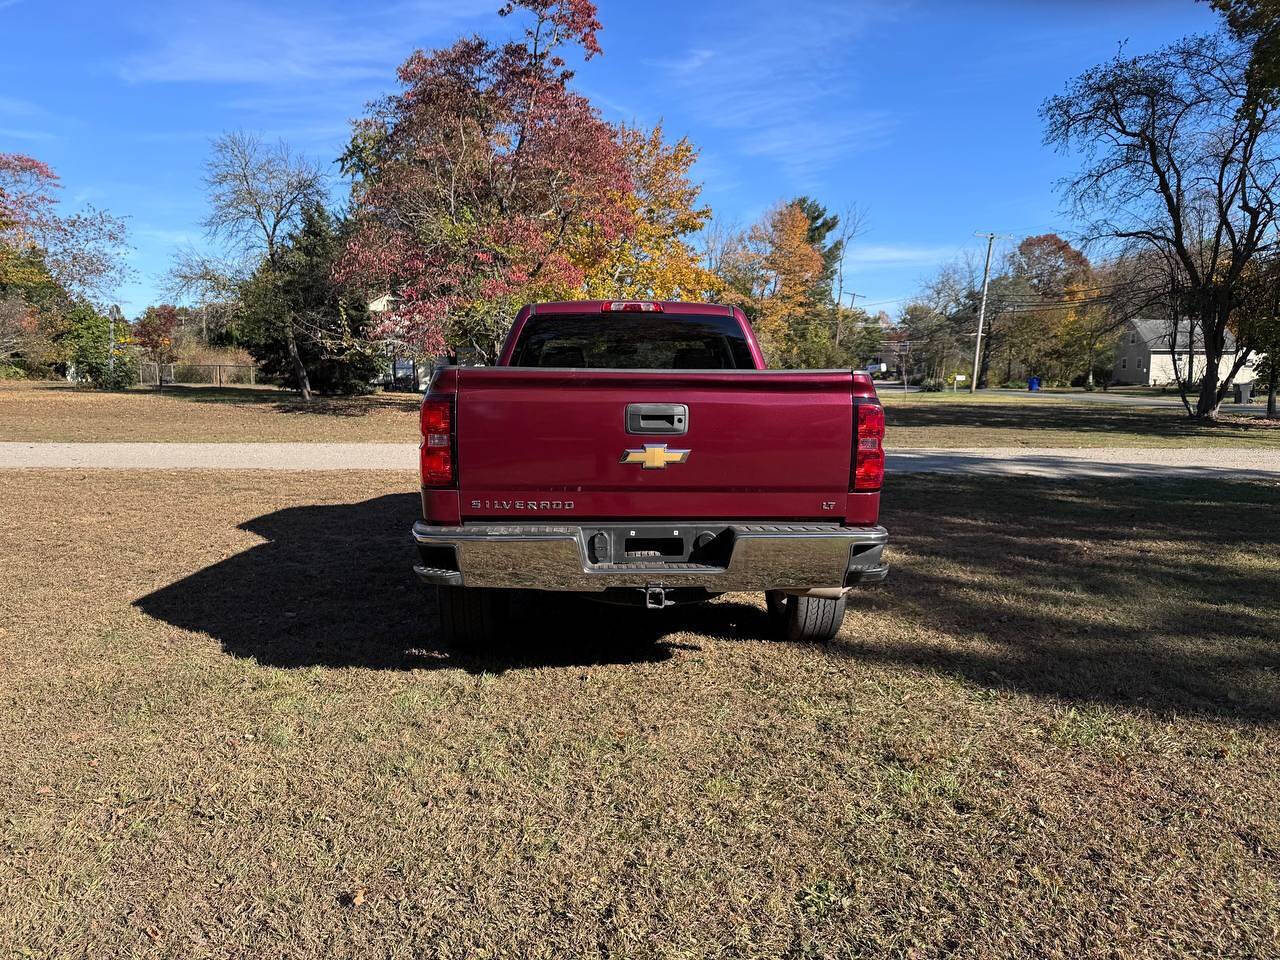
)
(15, 133)
(610, 107)
(168, 237)
(283, 102)
(174, 136)
(301, 134)
(808, 146)
(14, 107)
(891, 254)
(28, 121)
(253, 45)
(692, 61)
(784, 87)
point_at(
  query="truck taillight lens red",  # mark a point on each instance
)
(868, 455)
(435, 452)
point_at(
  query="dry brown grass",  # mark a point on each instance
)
(227, 730)
(60, 412)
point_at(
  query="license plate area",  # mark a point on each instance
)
(647, 545)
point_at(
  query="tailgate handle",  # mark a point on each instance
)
(669, 419)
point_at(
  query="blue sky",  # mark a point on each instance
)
(922, 114)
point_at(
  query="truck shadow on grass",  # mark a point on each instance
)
(333, 586)
(1161, 595)
(1034, 417)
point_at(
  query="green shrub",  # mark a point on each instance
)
(91, 356)
(932, 385)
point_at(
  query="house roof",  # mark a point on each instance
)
(1154, 331)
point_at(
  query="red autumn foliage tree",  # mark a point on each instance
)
(154, 331)
(1050, 265)
(83, 251)
(474, 188)
(26, 198)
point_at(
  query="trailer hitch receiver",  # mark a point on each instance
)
(655, 598)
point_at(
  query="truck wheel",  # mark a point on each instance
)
(471, 617)
(805, 619)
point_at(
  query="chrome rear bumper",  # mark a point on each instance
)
(812, 558)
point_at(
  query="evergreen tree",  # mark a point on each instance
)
(296, 294)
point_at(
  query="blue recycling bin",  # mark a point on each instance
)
(1033, 384)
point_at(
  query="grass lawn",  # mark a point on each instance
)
(997, 420)
(227, 730)
(58, 412)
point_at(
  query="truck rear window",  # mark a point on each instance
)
(633, 342)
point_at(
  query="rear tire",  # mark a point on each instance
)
(471, 617)
(805, 619)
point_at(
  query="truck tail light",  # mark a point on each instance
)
(435, 451)
(868, 453)
(631, 306)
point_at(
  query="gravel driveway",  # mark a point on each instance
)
(1009, 461)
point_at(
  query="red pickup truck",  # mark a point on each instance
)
(640, 451)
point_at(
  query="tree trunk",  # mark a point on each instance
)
(1272, 388)
(299, 371)
(1207, 401)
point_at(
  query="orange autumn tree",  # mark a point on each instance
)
(788, 266)
(652, 258)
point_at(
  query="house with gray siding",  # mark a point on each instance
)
(1145, 355)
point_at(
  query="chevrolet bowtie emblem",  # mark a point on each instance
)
(654, 456)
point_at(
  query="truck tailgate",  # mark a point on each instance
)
(548, 443)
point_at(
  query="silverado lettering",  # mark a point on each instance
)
(608, 399)
(522, 504)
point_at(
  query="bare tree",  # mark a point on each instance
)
(1180, 160)
(932, 321)
(720, 246)
(202, 278)
(257, 194)
(851, 225)
(210, 283)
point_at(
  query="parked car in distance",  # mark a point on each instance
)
(641, 452)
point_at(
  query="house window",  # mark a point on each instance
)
(1124, 363)
(1133, 338)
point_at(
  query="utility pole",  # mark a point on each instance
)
(982, 310)
(840, 307)
(113, 314)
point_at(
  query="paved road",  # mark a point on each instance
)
(1062, 462)
(1070, 462)
(212, 456)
